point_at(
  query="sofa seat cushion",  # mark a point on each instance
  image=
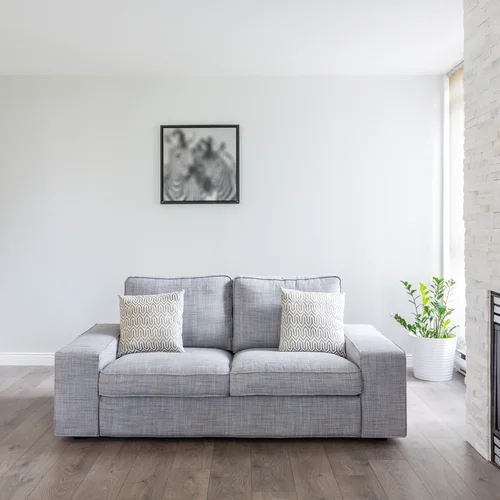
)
(269, 372)
(197, 372)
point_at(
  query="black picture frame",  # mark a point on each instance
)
(191, 167)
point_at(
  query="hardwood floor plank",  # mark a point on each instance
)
(230, 476)
(15, 444)
(361, 488)
(271, 467)
(438, 429)
(441, 398)
(62, 481)
(312, 473)
(427, 421)
(18, 482)
(15, 415)
(107, 475)
(274, 495)
(414, 439)
(11, 374)
(187, 484)
(446, 400)
(437, 475)
(478, 474)
(350, 457)
(147, 478)
(457, 384)
(26, 383)
(194, 454)
(361, 449)
(348, 467)
(399, 481)
(24, 397)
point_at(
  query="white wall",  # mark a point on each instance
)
(338, 175)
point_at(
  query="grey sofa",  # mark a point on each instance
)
(231, 381)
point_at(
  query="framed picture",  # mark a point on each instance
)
(200, 164)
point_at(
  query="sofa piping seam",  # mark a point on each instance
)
(296, 373)
(165, 374)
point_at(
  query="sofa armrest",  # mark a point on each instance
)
(76, 393)
(383, 371)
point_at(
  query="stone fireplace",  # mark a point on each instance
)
(481, 207)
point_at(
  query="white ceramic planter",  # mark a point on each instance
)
(433, 359)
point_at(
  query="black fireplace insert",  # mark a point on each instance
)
(495, 378)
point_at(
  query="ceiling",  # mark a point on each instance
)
(230, 37)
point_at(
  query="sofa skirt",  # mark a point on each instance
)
(245, 416)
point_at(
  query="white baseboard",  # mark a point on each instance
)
(27, 358)
(409, 361)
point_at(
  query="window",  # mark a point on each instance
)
(454, 266)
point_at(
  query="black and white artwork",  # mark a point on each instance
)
(199, 164)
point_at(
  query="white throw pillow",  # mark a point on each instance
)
(312, 322)
(151, 323)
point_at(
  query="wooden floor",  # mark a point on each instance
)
(433, 462)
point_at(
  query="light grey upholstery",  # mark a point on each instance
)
(207, 391)
(383, 370)
(268, 372)
(257, 307)
(77, 366)
(208, 304)
(198, 372)
(254, 416)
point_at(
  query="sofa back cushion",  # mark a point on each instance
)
(208, 306)
(257, 307)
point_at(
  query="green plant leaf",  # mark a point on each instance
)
(424, 293)
(432, 314)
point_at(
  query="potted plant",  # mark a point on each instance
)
(432, 340)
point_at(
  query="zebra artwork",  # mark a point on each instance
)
(200, 164)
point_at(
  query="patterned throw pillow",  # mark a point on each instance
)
(312, 322)
(151, 323)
